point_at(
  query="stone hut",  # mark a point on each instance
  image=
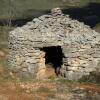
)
(71, 46)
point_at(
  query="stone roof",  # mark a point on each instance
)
(80, 46)
(54, 26)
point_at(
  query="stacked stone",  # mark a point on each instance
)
(80, 45)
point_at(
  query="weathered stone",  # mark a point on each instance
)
(79, 43)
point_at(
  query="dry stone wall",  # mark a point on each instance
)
(80, 46)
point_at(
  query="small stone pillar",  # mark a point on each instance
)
(56, 11)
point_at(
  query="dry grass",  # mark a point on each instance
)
(39, 90)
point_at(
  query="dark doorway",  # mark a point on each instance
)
(53, 56)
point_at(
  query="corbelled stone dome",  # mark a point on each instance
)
(80, 45)
(56, 26)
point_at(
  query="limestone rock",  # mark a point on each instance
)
(80, 46)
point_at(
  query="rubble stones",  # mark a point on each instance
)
(79, 43)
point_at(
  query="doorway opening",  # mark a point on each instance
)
(53, 57)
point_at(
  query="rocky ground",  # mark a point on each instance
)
(48, 90)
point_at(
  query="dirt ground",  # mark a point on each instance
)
(43, 90)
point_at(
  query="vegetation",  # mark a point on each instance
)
(19, 8)
(43, 89)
